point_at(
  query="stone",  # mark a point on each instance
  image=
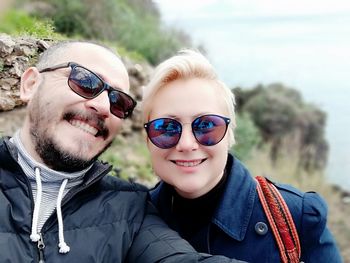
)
(43, 45)
(6, 103)
(6, 45)
(23, 50)
(18, 67)
(7, 83)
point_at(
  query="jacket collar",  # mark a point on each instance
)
(236, 206)
(9, 157)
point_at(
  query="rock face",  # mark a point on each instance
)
(17, 54)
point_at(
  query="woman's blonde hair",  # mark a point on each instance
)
(187, 64)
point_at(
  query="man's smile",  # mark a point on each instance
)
(91, 124)
(84, 126)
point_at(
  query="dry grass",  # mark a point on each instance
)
(285, 170)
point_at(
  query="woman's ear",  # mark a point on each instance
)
(30, 81)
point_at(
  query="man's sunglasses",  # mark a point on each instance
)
(208, 130)
(88, 85)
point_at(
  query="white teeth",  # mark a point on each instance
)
(84, 126)
(188, 164)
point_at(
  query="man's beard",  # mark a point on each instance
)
(50, 151)
(58, 159)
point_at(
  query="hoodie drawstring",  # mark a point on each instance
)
(64, 248)
(34, 235)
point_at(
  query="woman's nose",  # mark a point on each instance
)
(187, 140)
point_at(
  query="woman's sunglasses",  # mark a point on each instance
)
(88, 85)
(208, 130)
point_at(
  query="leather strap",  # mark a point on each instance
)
(280, 220)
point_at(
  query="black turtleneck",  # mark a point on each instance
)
(189, 216)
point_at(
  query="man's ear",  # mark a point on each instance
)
(30, 81)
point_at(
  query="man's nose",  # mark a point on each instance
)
(100, 104)
(187, 140)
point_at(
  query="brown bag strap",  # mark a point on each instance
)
(280, 220)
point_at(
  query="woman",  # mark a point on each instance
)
(206, 194)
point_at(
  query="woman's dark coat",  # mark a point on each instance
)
(232, 230)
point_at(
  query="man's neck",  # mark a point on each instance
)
(26, 159)
(26, 140)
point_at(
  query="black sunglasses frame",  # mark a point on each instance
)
(148, 124)
(106, 86)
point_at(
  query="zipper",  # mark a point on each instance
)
(52, 219)
(41, 246)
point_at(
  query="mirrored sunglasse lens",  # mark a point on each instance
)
(84, 82)
(122, 104)
(164, 133)
(88, 85)
(209, 129)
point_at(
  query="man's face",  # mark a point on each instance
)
(68, 132)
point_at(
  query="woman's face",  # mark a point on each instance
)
(193, 169)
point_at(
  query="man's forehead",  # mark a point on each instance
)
(100, 60)
(91, 52)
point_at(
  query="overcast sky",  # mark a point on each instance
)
(267, 40)
(304, 44)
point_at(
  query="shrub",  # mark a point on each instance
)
(16, 22)
(135, 24)
(247, 137)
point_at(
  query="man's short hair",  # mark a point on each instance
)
(49, 56)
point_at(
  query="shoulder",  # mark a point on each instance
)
(308, 203)
(116, 199)
(118, 189)
(8, 153)
(123, 190)
(309, 211)
(116, 183)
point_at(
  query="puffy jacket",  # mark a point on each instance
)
(232, 230)
(105, 220)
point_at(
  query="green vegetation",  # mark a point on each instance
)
(19, 23)
(134, 25)
(247, 137)
(130, 159)
(286, 121)
(1, 64)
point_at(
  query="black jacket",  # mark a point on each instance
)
(105, 220)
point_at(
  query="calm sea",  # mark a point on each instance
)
(338, 136)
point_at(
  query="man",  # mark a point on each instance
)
(56, 202)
